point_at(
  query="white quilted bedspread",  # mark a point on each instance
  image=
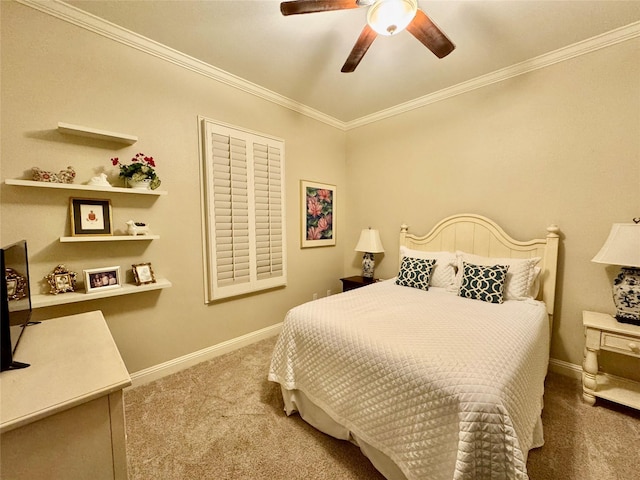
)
(446, 387)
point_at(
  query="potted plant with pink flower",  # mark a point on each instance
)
(140, 173)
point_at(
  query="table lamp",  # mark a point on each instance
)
(369, 243)
(623, 248)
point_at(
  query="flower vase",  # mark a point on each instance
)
(140, 184)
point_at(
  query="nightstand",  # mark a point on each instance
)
(350, 283)
(604, 332)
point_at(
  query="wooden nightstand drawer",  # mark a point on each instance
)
(618, 343)
(350, 283)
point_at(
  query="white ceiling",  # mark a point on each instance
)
(300, 56)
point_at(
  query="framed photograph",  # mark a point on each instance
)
(318, 209)
(143, 273)
(99, 279)
(12, 287)
(61, 280)
(17, 286)
(90, 216)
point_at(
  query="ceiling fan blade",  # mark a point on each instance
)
(431, 36)
(311, 6)
(366, 38)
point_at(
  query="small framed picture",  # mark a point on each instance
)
(17, 285)
(98, 279)
(318, 214)
(61, 280)
(143, 273)
(90, 216)
(12, 286)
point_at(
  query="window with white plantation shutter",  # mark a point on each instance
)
(243, 196)
(267, 175)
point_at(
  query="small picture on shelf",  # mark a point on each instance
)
(61, 280)
(98, 279)
(90, 216)
(12, 286)
(17, 286)
(143, 273)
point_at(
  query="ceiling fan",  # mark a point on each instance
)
(384, 17)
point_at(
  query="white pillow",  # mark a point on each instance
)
(520, 276)
(444, 273)
(535, 286)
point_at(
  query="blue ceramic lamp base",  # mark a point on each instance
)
(626, 295)
(368, 264)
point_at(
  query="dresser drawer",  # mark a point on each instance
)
(618, 343)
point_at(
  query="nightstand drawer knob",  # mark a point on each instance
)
(633, 346)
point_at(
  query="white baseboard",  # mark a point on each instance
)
(172, 366)
(565, 368)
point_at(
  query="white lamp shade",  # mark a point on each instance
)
(622, 247)
(369, 241)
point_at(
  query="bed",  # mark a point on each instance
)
(434, 380)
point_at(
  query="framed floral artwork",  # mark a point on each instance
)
(318, 209)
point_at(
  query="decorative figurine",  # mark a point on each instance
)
(64, 176)
(137, 228)
(100, 181)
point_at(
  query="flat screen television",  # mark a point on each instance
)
(15, 301)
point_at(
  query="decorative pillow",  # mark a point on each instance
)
(535, 285)
(520, 278)
(415, 272)
(444, 273)
(481, 282)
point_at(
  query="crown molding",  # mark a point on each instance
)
(80, 18)
(604, 40)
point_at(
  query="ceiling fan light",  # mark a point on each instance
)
(388, 17)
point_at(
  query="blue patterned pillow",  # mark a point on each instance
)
(415, 272)
(484, 283)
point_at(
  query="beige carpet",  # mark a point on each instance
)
(222, 419)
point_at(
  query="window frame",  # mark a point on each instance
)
(215, 288)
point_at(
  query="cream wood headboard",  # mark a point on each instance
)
(478, 235)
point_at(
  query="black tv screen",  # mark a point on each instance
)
(15, 300)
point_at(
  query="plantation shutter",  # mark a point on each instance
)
(268, 201)
(243, 180)
(231, 209)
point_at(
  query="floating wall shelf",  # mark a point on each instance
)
(80, 131)
(86, 188)
(43, 300)
(108, 238)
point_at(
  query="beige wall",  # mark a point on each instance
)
(557, 145)
(53, 71)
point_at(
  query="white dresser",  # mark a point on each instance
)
(63, 417)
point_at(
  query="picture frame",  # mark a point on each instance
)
(100, 279)
(17, 285)
(61, 280)
(12, 287)
(318, 214)
(143, 273)
(90, 216)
